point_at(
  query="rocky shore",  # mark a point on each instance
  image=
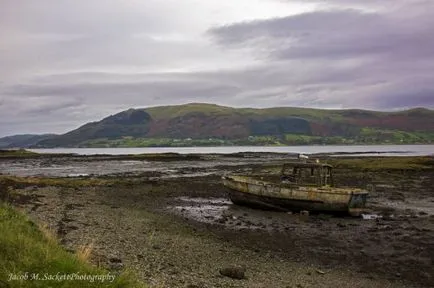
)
(173, 225)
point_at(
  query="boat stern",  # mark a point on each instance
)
(357, 203)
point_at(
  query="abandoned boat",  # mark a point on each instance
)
(302, 186)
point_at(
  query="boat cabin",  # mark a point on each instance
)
(307, 174)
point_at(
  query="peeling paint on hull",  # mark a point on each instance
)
(268, 195)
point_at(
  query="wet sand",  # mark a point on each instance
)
(174, 225)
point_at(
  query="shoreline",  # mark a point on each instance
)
(174, 226)
(316, 151)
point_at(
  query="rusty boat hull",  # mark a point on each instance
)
(289, 197)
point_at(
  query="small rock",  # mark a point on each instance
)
(324, 217)
(115, 260)
(116, 266)
(173, 272)
(234, 272)
(115, 263)
(304, 213)
(221, 220)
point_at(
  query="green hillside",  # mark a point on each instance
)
(22, 141)
(198, 124)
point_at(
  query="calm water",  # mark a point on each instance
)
(396, 150)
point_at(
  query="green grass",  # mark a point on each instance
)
(384, 163)
(375, 135)
(168, 112)
(21, 153)
(27, 248)
(20, 182)
(346, 123)
(368, 138)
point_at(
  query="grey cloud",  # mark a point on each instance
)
(292, 27)
(122, 91)
(264, 86)
(36, 105)
(333, 34)
(70, 63)
(408, 99)
(73, 17)
(31, 106)
(348, 57)
(371, 5)
(50, 35)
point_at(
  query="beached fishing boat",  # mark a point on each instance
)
(302, 186)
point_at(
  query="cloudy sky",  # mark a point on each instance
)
(64, 63)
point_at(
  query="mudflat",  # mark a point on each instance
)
(170, 220)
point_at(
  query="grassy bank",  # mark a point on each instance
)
(26, 154)
(31, 257)
(21, 153)
(21, 182)
(366, 137)
(384, 163)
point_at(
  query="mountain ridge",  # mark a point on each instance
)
(211, 121)
(23, 140)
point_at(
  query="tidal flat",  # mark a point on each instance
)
(169, 220)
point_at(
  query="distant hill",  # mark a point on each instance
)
(238, 126)
(23, 141)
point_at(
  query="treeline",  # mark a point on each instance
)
(367, 136)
